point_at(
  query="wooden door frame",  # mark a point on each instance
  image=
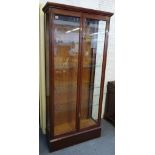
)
(74, 14)
(107, 20)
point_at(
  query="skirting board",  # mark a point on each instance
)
(73, 139)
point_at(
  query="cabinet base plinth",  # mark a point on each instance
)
(73, 139)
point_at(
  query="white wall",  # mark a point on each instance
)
(104, 5)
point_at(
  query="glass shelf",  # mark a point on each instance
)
(90, 66)
(69, 66)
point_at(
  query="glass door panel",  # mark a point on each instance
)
(93, 45)
(66, 49)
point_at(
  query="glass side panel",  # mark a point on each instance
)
(93, 45)
(66, 49)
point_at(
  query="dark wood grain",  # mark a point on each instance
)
(73, 139)
(51, 61)
(79, 76)
(77, 9)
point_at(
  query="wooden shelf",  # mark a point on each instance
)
(87, 123)
(70, 126)
(64, 128)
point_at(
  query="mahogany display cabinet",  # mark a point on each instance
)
(76, 41)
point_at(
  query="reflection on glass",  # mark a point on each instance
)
(93, 45)
(66, 37)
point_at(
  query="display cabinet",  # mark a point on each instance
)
(76, 42)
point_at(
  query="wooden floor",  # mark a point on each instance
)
(68, 127)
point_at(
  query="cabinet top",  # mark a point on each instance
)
(74, 8)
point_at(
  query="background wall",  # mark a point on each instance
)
(104, 5)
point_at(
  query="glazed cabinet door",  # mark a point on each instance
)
(75, 58)
(92, 61)
(66, 34)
